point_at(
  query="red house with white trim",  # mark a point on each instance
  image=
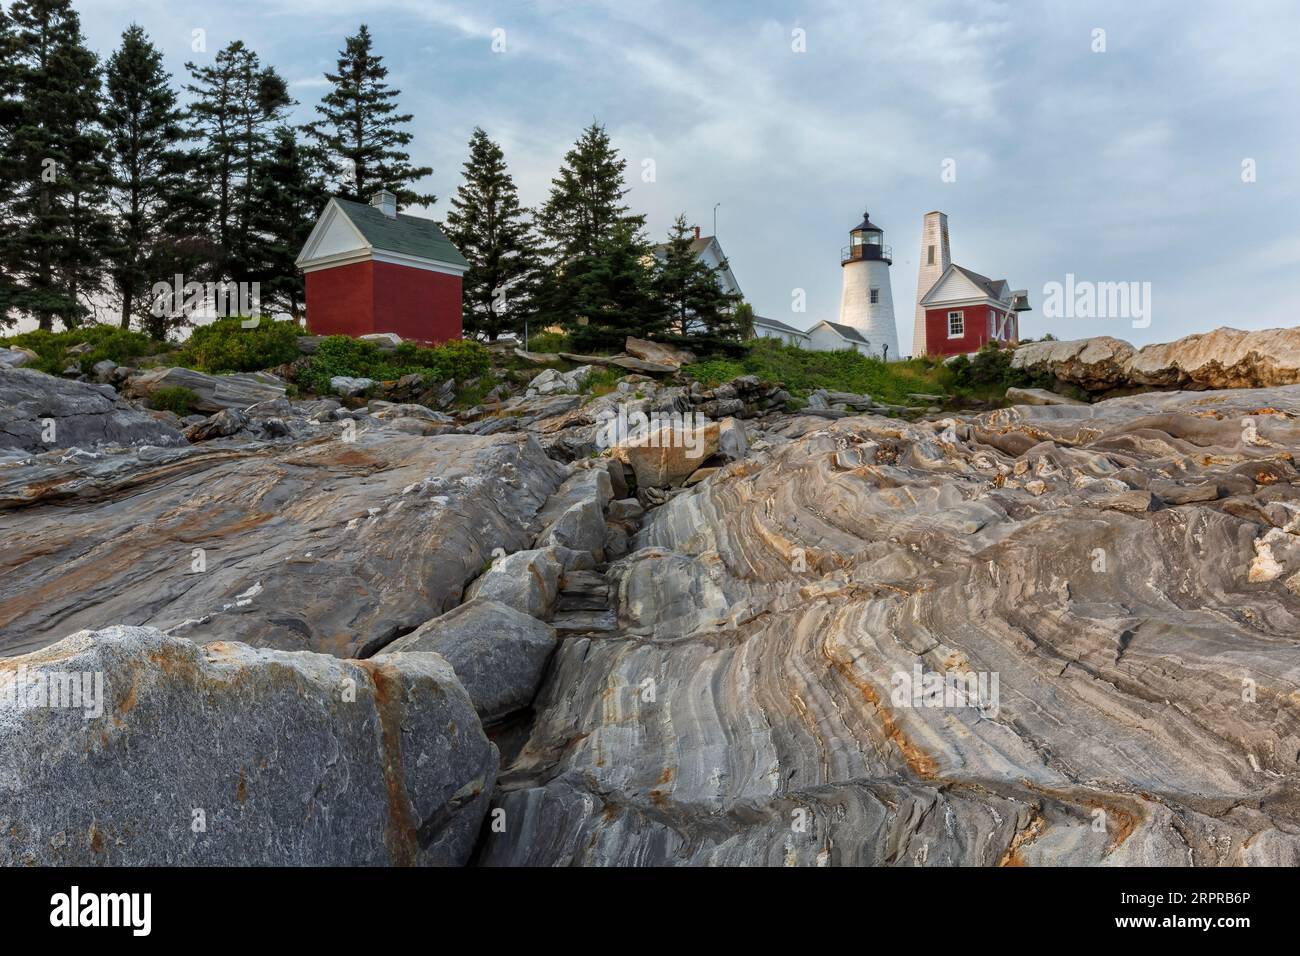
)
(964, 310)
(372, 269)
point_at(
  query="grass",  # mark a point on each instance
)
(802, 371)
(107, 341)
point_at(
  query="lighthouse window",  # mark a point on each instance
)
(956, 325)
(875, 296)
(929, 256)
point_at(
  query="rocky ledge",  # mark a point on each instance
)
(302, 633)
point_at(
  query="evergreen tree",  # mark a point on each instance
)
(690, 290)
(492, 231)
(150, 187)
(57, 241)
(238, 103)
(610, 294)
(585, 205)
(288, 196)
(9, 116)
(360, 132)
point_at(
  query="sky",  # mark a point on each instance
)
(1163, 150)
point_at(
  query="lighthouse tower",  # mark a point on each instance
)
(866, 301)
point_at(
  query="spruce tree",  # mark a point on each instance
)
(610, 294)
(361, 132)
(288, 195)
(150, 186)
(585, 204)
(690, 290)
(237, 103)
(9, 116)
(492, 231)
(57, 243)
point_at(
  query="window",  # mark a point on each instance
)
(956, 325)
(929, 257)
(875, 296)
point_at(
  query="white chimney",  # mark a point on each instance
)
(385, 202)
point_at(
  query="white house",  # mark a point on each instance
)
(708, 251)
(765, 328)
(828, 336)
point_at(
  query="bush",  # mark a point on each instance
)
(549, 342)
(342, 355)
(226, 346)
(802, 371)
(990, 372)
(176, 398)
(108, 341)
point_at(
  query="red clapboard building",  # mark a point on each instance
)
(372, 269)
(964, 310)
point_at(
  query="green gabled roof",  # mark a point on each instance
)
(405, 235)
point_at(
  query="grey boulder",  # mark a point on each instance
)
(499, 654)
(39, 412)
(226, 755)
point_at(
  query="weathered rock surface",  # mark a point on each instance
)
(658, 353)
(228, 756)
(1038, 396)
(528, 581)
(1224, 358)
(667, 456)
(323, 544)
(34, 406)
(16, 357)
(214, 392)
(1123, 682)
(498, 653)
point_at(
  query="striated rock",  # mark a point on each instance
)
(39, 412)
(498, 653)
(658, 353)
(214, 392)
(1224, 358)
(1038, 396)
(326, 544)
(528, 581)
(1095, 365)
(1116, 687)
(285, 759)
(668, 456)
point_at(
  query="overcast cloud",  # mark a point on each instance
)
(1122, 165)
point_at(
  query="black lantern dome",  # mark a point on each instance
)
(866, 241)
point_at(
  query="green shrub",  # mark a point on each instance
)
(990, 372)
(802, 371)
(342, 355)
(549, 342)
(226, 346)
(176, 398)
(108, 341)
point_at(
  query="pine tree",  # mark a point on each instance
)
(610, 294)
(586, 200)
(492, 231)
(9, 115)
(288, 196)
(360, 132)
(690, 290)
(238, 103)
(57, 245)
(150, 186)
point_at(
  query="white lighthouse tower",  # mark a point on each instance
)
(866, 300)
